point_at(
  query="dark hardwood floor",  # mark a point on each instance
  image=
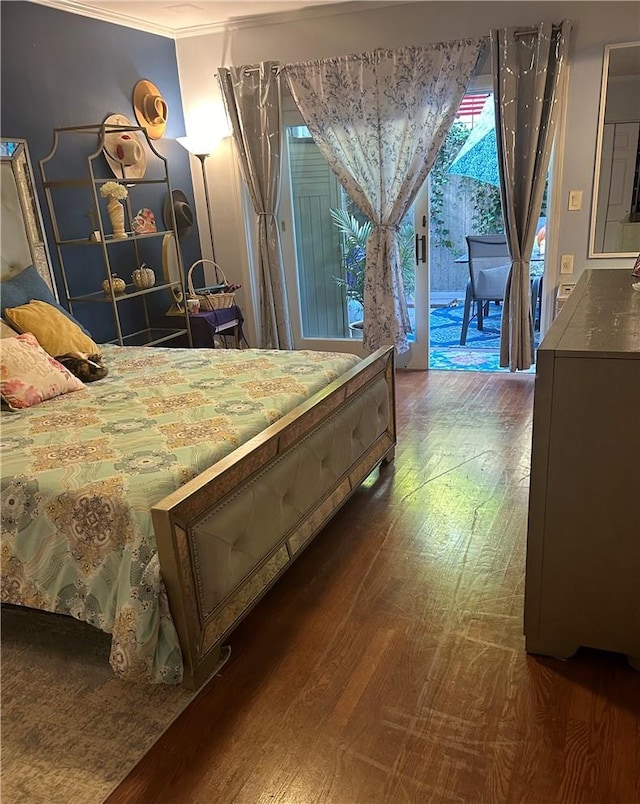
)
(388, 665)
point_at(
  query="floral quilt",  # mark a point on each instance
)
(81, 472)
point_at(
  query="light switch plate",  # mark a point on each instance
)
(566, 264)
(575, 200)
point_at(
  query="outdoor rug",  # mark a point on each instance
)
(481, 351)
(71, 731)
(446, 326)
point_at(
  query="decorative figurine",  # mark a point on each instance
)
(114, 286)
(143, 277)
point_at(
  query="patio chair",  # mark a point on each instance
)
(489, 265)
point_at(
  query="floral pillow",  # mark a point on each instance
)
(28, 375)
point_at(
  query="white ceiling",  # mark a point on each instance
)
(179, 18)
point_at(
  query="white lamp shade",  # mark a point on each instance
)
(203, 144)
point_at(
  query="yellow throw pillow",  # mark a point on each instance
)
(56, 333)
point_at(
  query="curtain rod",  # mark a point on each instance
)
(276, 68)
(247, 70)
(525, 31)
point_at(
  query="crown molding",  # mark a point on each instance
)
(83, 10)
(257, 20)
(260, 20)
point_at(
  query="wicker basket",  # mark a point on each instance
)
(211, 301)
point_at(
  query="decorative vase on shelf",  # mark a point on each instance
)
(143, 277)
(114, 286)
(116, 216)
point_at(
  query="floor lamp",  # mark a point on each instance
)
(202, 151)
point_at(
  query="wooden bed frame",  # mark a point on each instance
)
(226, 536)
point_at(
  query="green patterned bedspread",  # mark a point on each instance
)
(81, 472)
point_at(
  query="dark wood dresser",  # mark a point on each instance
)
(583, 543)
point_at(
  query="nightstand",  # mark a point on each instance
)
(226, 322)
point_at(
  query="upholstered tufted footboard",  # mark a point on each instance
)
(225, 537)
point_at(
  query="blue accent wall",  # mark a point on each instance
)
(62, 69)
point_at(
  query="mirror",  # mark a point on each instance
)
(22, 238)
(615, 208)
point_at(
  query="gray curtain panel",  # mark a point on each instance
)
(379, 119)
(529, 84)
(252, 98)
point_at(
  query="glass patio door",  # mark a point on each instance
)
(417, 283)
(312, 246)
(323, 238)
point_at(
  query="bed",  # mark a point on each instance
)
(161, 503)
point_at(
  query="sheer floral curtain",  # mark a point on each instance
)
(529, 81)
(379, 119)
(252, 98)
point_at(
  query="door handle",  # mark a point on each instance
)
(421, 248)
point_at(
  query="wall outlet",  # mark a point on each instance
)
(566, 264)
(565, 288)
(575, 200)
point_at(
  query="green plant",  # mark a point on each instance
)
(439, 177)
(487, 209)
(485, 198)
(355, 234)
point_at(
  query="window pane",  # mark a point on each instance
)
(315, 191)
